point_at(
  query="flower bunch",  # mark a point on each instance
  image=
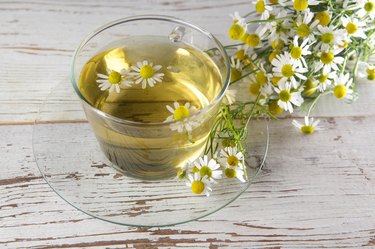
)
(300, 50)
(289, 53)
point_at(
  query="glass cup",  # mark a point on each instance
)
(152, 150)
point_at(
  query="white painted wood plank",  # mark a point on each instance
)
(316, 192)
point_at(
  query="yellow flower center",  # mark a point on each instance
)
(235, 74)
(230, 173)
(369, 6)
(274, 1)
(371, 76)
(300, 5)
(303, 30)
(307, 129)
(287, 71)
(241, 54)
(195, 169)
(261, 78)
(273, 56)
(327, 38)
(274, 108)
(340, 91)
(260, 6)
(254, 89)
(277, 44)
(322, 78)
(275, 80)
(296, 53)
(114, 77)
(351, 28)
(236, 31)
(233, 161)
(327, 57)
(285, 95)
(197, 187)
(323, 17)
(253, 40)
(310, 87)
(370, 71)
(181, 112)
(146, 71)
(205, 171)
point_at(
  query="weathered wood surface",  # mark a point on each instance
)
(316, 191)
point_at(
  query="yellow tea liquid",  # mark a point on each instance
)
(145, 147)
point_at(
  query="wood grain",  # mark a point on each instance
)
(316, 191)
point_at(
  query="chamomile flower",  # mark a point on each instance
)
(231, 159)
(304, 27)
(145, 73)
(341, 88)
(113, 81)
(329, 37)
(324, 18)
(366, 8)
(209, 168)
(328, 60)
(325, 80)
(298, 51)
(354, 27)
(183, 172)
(255, 39)
(279, 29)
(230, 97)
(301, 5)
(262, 8)
(309, 127)
(180, 113)
(236, 68)
(237, 18)
(198, 184)
(286, 68)
(287, 97)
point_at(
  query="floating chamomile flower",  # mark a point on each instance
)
(145, 73)
(198, 184)
(309, 127)
(181, 113)
(113, 81)
(209, 168)
(287, 97)
(287, 68)
(341, 88)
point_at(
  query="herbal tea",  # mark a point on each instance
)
(155, 85)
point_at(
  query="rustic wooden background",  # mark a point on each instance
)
(316, 191)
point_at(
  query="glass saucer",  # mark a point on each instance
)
(71, 162)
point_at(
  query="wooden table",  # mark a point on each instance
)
(316, 191)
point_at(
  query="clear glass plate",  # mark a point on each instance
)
(71, 162)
